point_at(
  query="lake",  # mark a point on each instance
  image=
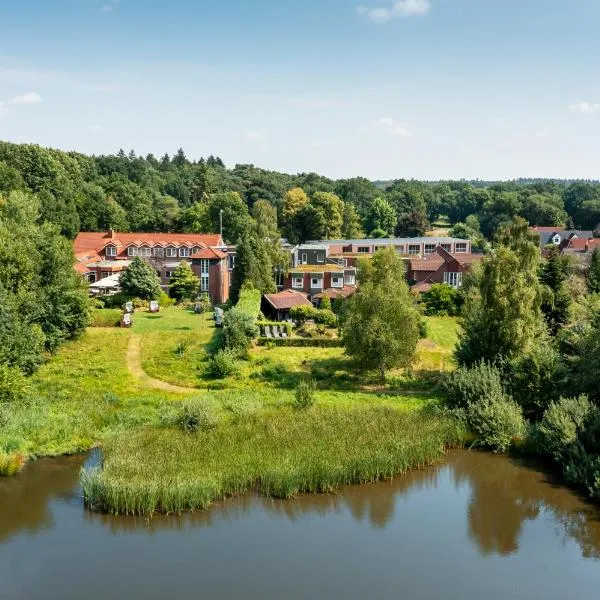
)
(477, 526)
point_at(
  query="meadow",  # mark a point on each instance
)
(87, 394)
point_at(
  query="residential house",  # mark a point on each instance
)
(278, 306)
(559, 236)
(439, 267)
(103, 254)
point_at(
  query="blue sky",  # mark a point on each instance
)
(491, 89)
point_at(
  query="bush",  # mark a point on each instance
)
(105, 317)
(165, 300)
(468, 385)
(196, 416)
(561, 425)
(496, 420)
(249, 302)
(222, 365)
(116, 300)
(301, 342)
(325, 303)
(442, 300)
(325, 317)
(303, 313)
(305, 394)
(12, 384)
(239, 330)
(204, 304)
(11, 464)
(423, 329)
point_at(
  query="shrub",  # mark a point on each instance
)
(249, 302)
(442, 300)
(325, 317)
(496, 420)
(12, 384)
(181, 349)
(303, 313)
(239, 330)
(560, 427)
(222, 365)
(165, 300)
(204, 304)
(325, 303)
(11, 463)
(196, 416)
(305, 394)
(423, 329)
(468, 385)
(116, 300)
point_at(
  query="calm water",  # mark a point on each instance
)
(479, 526)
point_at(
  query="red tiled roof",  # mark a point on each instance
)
(333, 293)
(467, 259)
(287, 299)
(426, 264)
(84, 258)
(421, 287)
(550, 229)
(209, 253)
(96, 240)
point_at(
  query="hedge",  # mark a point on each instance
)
(301, 342)
(249, 302)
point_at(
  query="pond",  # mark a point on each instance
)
(477, 525)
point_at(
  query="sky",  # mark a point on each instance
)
(426, 89)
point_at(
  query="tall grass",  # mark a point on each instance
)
(11, 463)
(279, 453)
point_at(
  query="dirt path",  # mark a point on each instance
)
(134, 364)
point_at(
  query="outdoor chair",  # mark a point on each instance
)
(268, 332)
(275, 331)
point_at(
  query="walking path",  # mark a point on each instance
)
(134, 364)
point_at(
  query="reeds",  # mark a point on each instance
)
(280, 453)
(11, 463)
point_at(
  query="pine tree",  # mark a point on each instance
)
(556, 301)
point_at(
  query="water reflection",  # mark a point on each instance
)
(501, 497)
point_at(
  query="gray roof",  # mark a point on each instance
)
(547, 236)
(110, 263)
(388, 241)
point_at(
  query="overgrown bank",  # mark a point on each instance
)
(278, 453)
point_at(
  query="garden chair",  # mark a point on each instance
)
(268, 331)
(275, 331)
(283, 332)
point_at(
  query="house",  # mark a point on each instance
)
(103, 254)
(315, 280)
(559, 236)
(278, 306)
(347, 252)
(439, 267)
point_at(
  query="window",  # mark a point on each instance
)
(184, 252)
(350, 279)
(400, 249)
(556, 240)
(171, 252)
(168, 274)
(159, 252)
(461, 248)
(132, 251)
(363, 249)
(316, 282)
(414, 249)
(304, 260)
(447, 247)
(453, 279)
(320, 257)
(337, 281)
(429, 248)
(298, 283)
(111, 251)
(204, 275)
(231, 259)
(145, 251)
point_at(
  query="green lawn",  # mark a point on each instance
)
(85, 393)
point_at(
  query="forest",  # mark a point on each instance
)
(173, 193)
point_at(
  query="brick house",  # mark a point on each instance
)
(559, 236)
(101, 254)
(439, 267)
(315, 280)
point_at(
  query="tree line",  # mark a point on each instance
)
(134, 193)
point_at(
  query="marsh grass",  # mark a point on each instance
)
(11, 463)
(278, 453)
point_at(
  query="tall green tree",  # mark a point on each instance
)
(351, 226)
(502, 312)
(593, 277)
(140, 280)
(380, 326)
(252, 267)
(381, 215)
(556, 303)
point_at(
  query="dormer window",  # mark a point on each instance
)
(159, 252)
(171, 252)
(556, 240)
(145, 251)
(132, 251)
(111, 251)
(184, 252)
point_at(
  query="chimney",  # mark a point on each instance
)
(111, 233)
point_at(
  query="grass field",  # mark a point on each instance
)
(278, 453)
(86, 394)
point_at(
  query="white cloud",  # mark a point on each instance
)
(29, 98)
(386, 125)
(585, 108)
(399, 9)
(543, 133)
(96, 128)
